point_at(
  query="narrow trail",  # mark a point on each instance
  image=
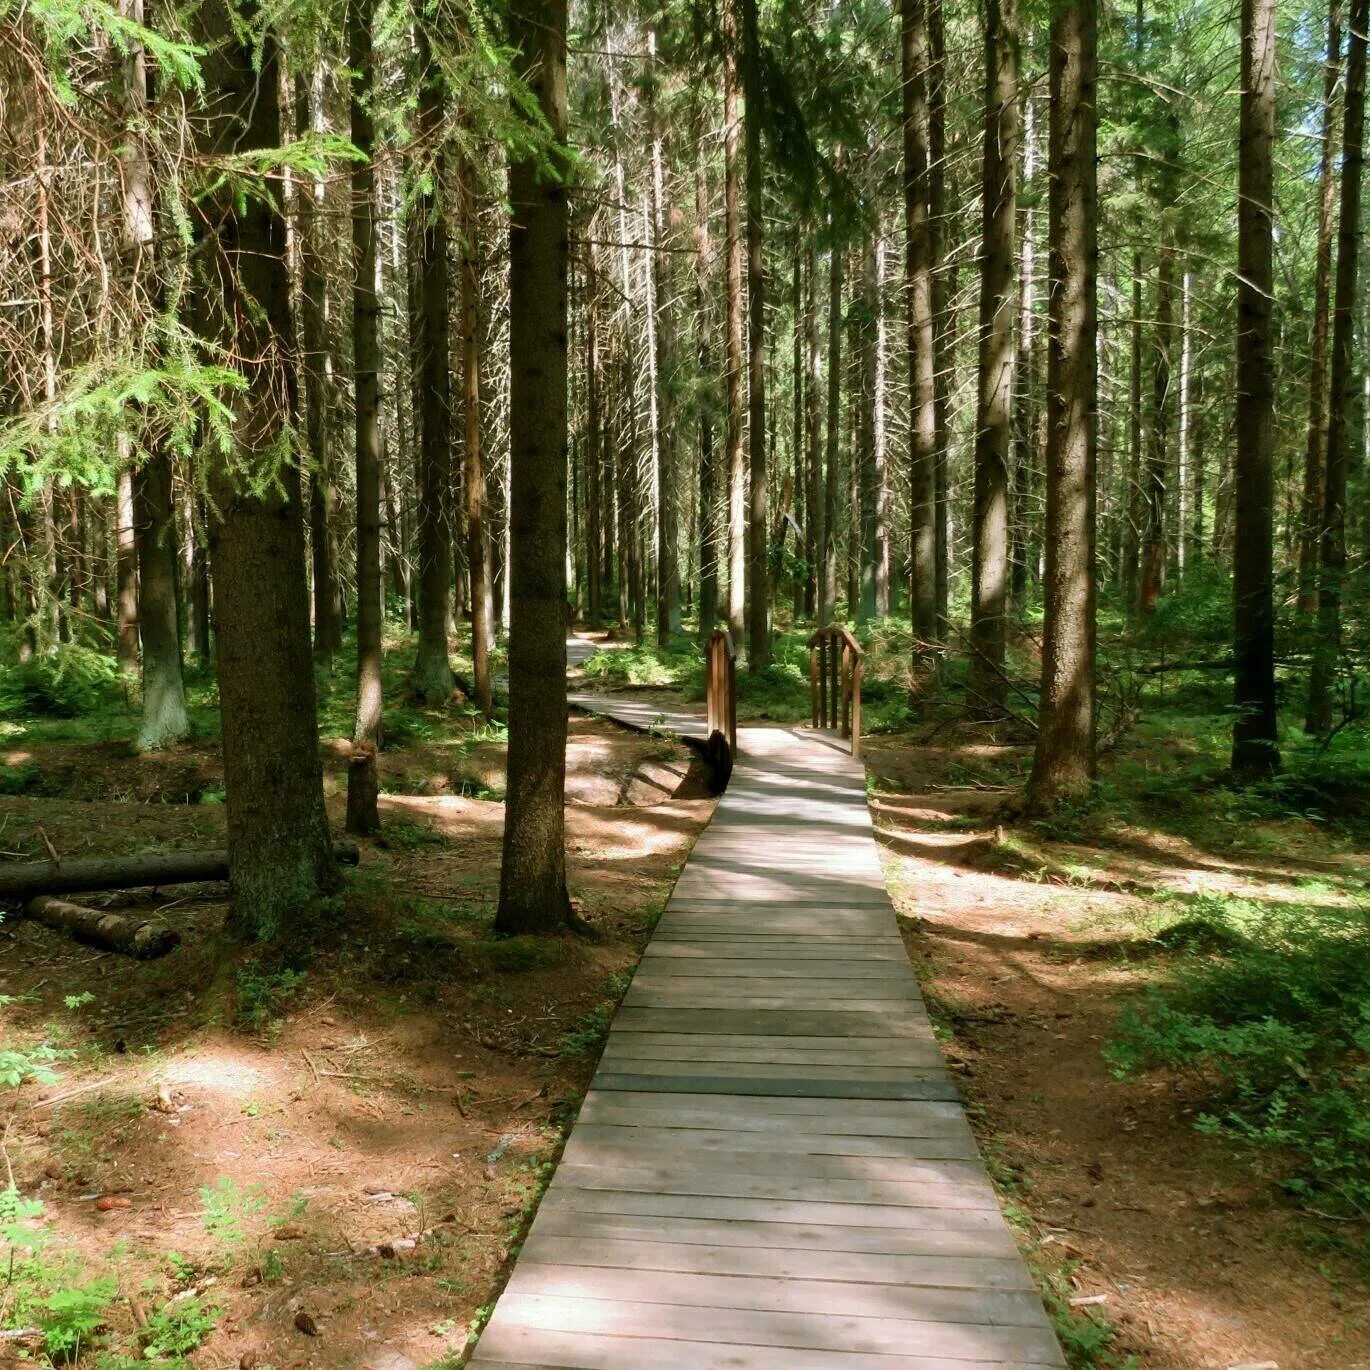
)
(772, 1169)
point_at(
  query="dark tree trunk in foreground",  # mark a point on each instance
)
(533, 897)
(1345, 383)
(828, 595)
(1254, 750)
(1310, 521)
(994, 421)
(735, 457)
(1063, 765)
(164, 718)
(280, 856)
(363, 816)
(920, 340)
(477, 536)
(432, 676)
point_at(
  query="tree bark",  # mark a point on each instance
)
(430, 349)
(1345, 382)
(758, 540)
(734, 457)
(126, 574)
(994, 409)
(1063, 763)
(1254, 735)
(366, 359)
(1310, 522)
(828, 599)
(280, 855)
(919, 266)
(709, 531)
(867, 476)
(533, 897)
(136, 937)
(164, 719)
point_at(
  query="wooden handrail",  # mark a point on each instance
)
(835, 666)
(721, 685)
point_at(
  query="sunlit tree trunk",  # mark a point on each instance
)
(735, 458)
(533, 897)
(362, 814)
(994, 409)
(1063, 763)
(1254, 736)
(1345, 384)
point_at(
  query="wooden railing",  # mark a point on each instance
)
(835, 682)
(721, 686)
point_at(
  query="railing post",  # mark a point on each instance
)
(836, 697)
(856, 708)
(813, 682)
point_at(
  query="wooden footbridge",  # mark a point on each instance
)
(772, 1169)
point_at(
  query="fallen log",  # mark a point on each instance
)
(104, 928)
(19, 882)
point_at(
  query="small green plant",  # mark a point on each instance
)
(71, 1317)
(227, 1209)
(263, 994)
(178, 1327)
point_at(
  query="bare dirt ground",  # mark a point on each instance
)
(1028, 957)
(337, 1161)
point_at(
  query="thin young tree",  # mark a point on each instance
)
(432, 675)
(1345, 383)
(533, 896)
(734, 458)
(1254, 731)
(363, 814)
(1064, 760)
(994, 409)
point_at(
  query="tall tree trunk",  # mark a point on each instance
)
(1025, 456)
(164, 719)
(314, 361)
(1345, 383)
(594, 533)
(865, 458)
(943, 325)
(663, 286)
(430, 349)
(477, 537)
(1156, 476)
(1254, 735)
(735, 457)
(881, 436)
(919, 267)
(363, 816)
(758, 540)
(709, 532)
(280, 855)
(1063, 764)
(827, 603)
(994, 409)
(813, 439)
(1185, 436)
(533, 897)
(1310, 524)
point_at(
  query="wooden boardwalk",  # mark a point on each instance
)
(772, 1169)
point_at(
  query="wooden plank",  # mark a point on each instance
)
(697, 1142)
(832, 1214)
(771, 1023)
(894, 1242)
(774, 1070)
(798, 1331)
(772, 1294)
(806, 1263)
(784, 1112)
(810, 1088)
(510, 1349)
(943, 1191)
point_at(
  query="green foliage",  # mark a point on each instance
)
(645, 663)
(1272, 1013)
(69, 680)
(71, 1317)
(263, 993)
(227, 1209)
(178, 1327)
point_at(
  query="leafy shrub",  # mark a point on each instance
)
(1276, 1017)
(64, 683)
(71, 1317)
(178, 1327)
